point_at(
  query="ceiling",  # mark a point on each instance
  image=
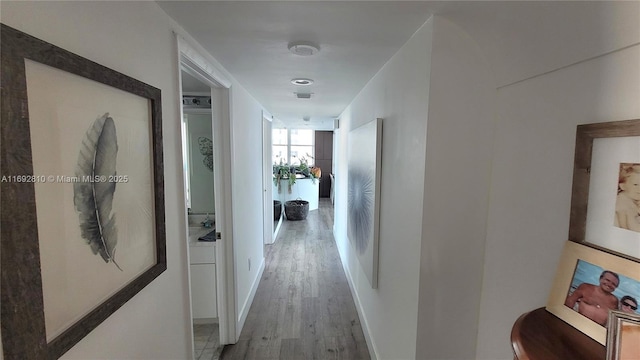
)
(519, 39)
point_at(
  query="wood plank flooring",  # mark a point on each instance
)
(303, 308)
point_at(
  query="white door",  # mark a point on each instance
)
(267, 195)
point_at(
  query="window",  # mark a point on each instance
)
(280, 141)
(291, 145)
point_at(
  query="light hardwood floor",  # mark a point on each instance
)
(303, 308)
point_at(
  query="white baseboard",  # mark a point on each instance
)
(373, 352)
(247, 304)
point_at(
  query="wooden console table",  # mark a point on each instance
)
(540, 335)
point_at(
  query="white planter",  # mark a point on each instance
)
(304, 189)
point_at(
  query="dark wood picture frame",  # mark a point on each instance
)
(585, 136)
(22, 308)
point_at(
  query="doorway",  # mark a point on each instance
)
(197, 153)
(205, 126)
(271, 223)
(197, 150)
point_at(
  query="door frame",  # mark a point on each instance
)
(267, 178)
(191, 61)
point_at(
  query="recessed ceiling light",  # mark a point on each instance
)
(303, 48)
(301, 81)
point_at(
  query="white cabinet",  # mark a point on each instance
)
(203, 291)
(204, 302)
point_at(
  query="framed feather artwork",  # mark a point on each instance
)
(82, 194)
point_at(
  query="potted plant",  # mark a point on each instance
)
(312, 172)
(303, 168)
(283, 171)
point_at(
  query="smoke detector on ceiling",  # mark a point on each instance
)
(303, 48)
(306, 118)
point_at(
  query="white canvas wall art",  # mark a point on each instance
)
(363, 200)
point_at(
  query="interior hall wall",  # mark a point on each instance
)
(248, 214)
(459, 147)
(134, 38)
(398, 94)
(532, 174)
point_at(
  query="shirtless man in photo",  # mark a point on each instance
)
(594, 301)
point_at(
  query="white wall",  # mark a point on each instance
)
(246, 165)
(456, 194)
(135, 39)
(531, 181)
(398, 94)
(156, 323)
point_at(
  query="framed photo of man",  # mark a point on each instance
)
(589, 284)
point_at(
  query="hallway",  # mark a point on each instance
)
(303, 308)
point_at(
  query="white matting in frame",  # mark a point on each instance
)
(607, 155)
(62, 108)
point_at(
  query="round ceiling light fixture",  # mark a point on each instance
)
(303, 48)
(306, 118)
(302, 81)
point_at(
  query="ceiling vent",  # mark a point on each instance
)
(303, 95)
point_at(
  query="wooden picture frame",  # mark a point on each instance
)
(623, 336)
(603, 151)
(45, 136)
(567, 281)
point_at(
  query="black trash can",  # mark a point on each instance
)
(296, 209)
(277, 210)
